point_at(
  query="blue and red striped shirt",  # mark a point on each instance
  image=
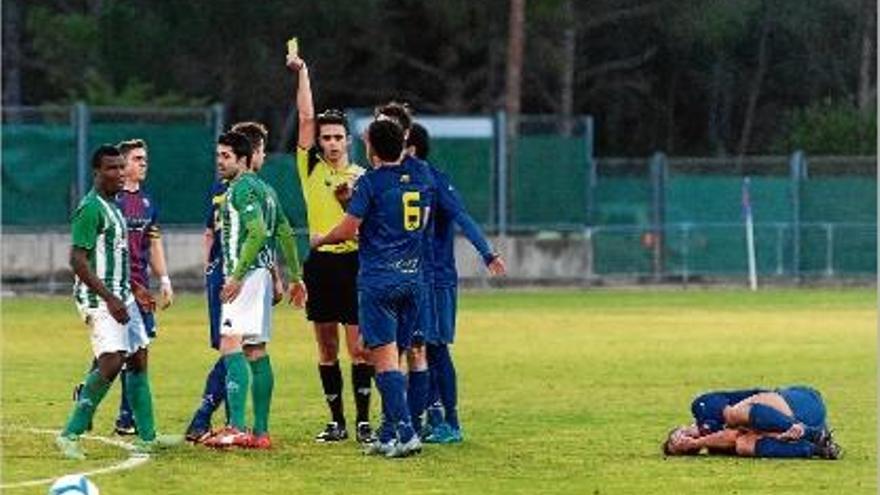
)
(142, 219)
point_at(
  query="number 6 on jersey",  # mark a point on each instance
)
(412, 211)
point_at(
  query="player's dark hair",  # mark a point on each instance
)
(101, 152)
(386, 140)
(240, 144)
(667, 444)
(126, 146)
(397, 111)
(255, 132)
(419, 139)
(331, 116)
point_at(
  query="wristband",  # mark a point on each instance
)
(489, 258)
(165, 280)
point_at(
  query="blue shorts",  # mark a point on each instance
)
(213, 286)
(389, 314)
(806, 404)
(149, 322)
(445, 305)
(427, 322)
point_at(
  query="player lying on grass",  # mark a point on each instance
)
(782, 422)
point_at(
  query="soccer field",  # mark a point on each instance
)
(560, 391)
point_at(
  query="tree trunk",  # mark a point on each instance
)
(865, 90)
(754, 91)
(512, 94)
(12, 26)
(567, 68)
(670, 113)
(715, 105)
(515, 44)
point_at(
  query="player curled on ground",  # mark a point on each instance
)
(390, 209)
(432, 378)
(330, 271)
(785, 422)
(252, 226)
(105, 298)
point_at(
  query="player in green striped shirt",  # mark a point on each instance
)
(104, 298)
(252, 226)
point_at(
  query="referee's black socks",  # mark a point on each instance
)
(361, 383)
(331, 379)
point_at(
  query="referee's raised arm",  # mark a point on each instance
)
(304, 104)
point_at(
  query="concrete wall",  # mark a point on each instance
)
(40, 256)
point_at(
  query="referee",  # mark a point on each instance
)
(330, 271)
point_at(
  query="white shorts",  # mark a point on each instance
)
(108, 335)
(250, 314)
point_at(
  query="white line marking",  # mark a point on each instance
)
(134, 460)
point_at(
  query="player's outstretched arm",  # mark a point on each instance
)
(304, 104)
(449, 200)
(345, 230)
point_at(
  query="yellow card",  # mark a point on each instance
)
(292, 46)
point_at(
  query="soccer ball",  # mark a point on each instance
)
(73, 484)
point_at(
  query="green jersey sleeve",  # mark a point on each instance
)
(85, 225)
(246, 200)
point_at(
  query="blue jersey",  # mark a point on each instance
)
(449, 210)
(393, 203)
(212, 222)
(708, 409)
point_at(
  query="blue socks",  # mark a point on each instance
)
(126, 416)
(771, 447)
(417, 395)
(392, 386)
(213, 395)
(766, 418)
(441, 367)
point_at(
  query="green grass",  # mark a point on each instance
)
(561, 392)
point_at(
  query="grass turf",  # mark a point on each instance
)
(560, 391)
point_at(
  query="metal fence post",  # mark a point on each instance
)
(658, 211)
(80, 117)
(829, 250)
(218, 111)
(589, 145)
(501, 165)
(685, 251)
(779, 251)
(797, 166)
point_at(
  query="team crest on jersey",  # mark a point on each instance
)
(146, 203)
(405, 178)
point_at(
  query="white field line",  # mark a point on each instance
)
(134, 460)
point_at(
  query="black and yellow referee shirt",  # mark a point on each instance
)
(319, 181)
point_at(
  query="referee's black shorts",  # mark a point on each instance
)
(331, 279)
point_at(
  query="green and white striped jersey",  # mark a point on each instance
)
(99, 227)
(246, 199)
